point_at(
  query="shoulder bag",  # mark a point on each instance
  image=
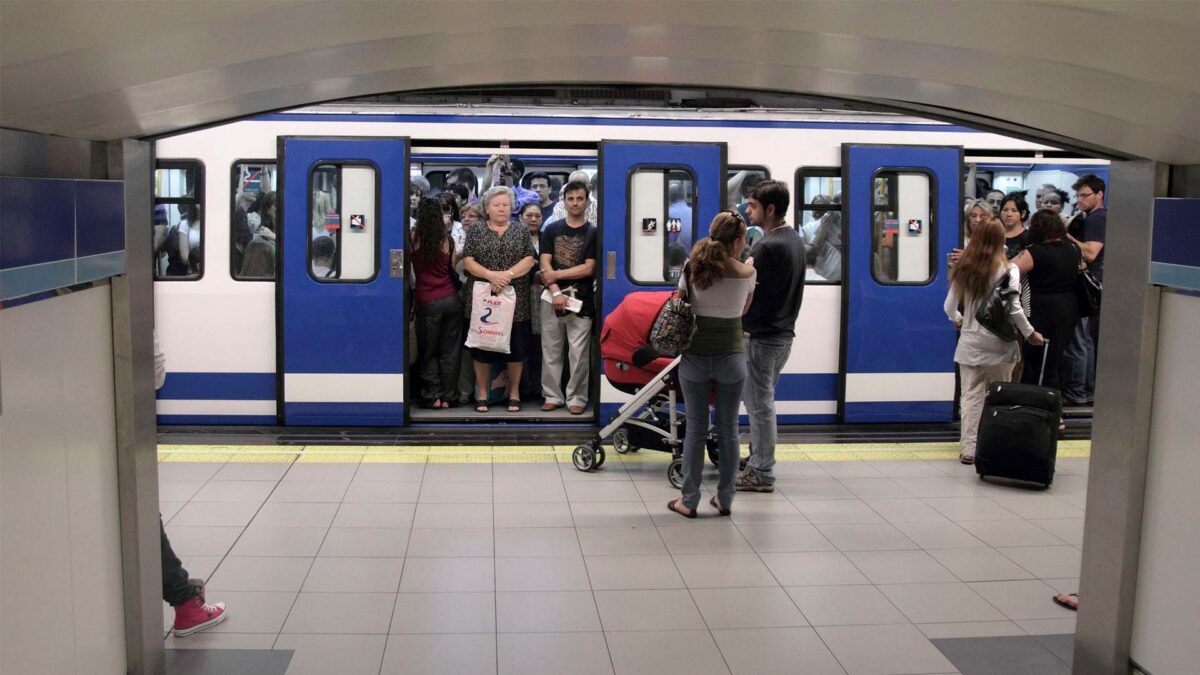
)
(994, 312)
(676, 324)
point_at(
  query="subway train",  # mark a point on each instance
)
(263, 322)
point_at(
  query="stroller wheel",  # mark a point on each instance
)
(675, 473)
(584, 458)
(714, 455)
(600, 455)
(620, 440)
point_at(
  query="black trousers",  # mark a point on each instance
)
(439, 340)
(1054, 316)
(175, 587)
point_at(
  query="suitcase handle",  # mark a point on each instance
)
(1045, 353)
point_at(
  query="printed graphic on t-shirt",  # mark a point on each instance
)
(567, 250)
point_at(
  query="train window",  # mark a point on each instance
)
(739, 180)
(661, 223)
(819, 219)
(178, 229)
(902, 229)
(252, 221)
(344, 216)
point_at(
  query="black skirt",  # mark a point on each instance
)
(519, 346)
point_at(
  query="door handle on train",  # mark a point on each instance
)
(396, 262)
(610, 265)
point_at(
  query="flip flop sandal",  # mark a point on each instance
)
(481, 405)
(717, 505)
(671, 505)
(1060, 603)
(514, 405)
(966, 460)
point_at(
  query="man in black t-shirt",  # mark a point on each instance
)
(1087, 231)
(568, 264)
(770, 323)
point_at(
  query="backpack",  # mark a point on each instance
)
(676, 324)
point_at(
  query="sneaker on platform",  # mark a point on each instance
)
(751, 482)
(197, 615)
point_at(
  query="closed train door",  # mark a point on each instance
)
(903, 206)
(656, 200)
(342, 281)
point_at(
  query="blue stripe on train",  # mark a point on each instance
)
(345, 414)
(259, 420)
(218, 387)
(901, 411)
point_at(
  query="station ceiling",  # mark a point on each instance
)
(1116, 77)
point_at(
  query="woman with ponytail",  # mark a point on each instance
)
(982, 356)
(719, 289)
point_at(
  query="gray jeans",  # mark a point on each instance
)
(575, 333)
(1080, 363)
(764, 359)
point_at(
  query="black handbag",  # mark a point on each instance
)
(994, 313)
(1087, 293)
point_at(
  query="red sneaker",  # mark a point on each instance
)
(196, 615)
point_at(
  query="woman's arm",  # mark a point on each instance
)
(1023, 261)
(950, 306)
(1018, 313)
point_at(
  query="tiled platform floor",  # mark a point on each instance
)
(852, 566)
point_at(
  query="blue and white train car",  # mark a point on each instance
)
(324, 342)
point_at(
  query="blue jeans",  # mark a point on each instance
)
(698, 377)
(765, 358)
(1080, 363)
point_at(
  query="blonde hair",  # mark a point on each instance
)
(707, 263)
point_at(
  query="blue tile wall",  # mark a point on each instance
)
(1175, 247)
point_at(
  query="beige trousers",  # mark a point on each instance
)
(975, 381)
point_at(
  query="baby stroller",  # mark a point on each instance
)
(651, 420)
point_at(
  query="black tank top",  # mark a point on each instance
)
(1055, 266)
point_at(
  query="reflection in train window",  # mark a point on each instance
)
(819, 219)
(902, 230)
(178, 228)
(252, 223)
(344, 222)
(662, 225)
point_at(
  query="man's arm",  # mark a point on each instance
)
(1090, 249)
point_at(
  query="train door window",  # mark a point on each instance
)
(178, 227)
(344, 219)
(252, 221)
(902, 229)
(661, 223)
(819, 219)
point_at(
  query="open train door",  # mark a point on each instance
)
(341, 332)
(903, 206)
(657, 199)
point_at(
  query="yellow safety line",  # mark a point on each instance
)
(517, 454)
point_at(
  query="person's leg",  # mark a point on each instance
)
(579, 341)
(553, 342)
(514, 369)
(427, 320)
(695, 400)
(483, 379)
(451, 347)
(466, 372)
(175, 587)
(1073, 373)
(764, 368)
(729, 395)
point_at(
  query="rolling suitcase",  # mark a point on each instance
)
(1018, 431)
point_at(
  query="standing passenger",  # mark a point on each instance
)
(438, 308)
(498, 253)
(530, 217)
(982, 356)
(720, 292)
(568, 262)
(778, 258)
(1087, 231)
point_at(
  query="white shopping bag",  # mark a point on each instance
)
(491, 318)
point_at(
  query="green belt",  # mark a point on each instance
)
(715, 336)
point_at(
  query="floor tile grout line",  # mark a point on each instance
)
(591, 587)
(404, 566)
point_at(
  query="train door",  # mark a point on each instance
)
(342, 280)
(657, 200)
(903, 206)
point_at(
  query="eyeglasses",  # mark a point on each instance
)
(1084, 195)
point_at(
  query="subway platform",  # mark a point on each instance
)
(869, 557)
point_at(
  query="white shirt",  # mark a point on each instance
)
(725, 299)
(978, 346)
